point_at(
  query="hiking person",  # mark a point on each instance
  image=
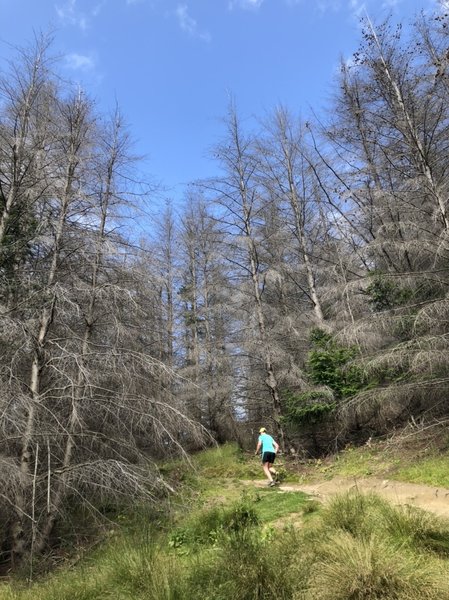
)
(267, 446)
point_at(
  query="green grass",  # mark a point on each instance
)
(354, 462)
(433, 470)
(275, 504)
(228, 462)
(428, 466)
(229, 540)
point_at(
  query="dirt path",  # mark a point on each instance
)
(433, 499)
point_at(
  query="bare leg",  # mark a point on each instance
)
(266, 468)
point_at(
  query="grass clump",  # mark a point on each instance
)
(365, 515)
(227, 461)
(74, 585)
(417, 529)
(205, 526)
(250, 566)
(354, 513)
(142, 569)
(350, 568)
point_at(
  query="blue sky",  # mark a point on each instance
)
(172, 64)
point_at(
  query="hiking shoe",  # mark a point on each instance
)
(272, 484)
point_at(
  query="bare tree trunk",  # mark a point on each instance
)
(79, 389)
(45, 321)
(299, 230)
(356, 111)
(246, 200)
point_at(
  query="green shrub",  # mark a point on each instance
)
(385, 293)
(308, 407)
(329, 364)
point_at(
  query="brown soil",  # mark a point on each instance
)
(429, 498)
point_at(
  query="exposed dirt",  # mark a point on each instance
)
(429, 498)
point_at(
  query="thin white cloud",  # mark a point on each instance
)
(189, 24)
(79, 62)
(333, 6)
(97, 8)
(69, 13)
(245, 4)
(357, 7)
(325, 6)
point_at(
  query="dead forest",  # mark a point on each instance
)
(302, 287)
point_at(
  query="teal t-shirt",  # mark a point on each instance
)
(267, 443)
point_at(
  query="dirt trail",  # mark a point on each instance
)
(433, 499)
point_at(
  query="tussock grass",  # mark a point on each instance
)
(350, 568)
(227, 462)
(354, 513)
(250, 567)
(141, 568)
(417, 529)
(76, 585)
(363, 515)
(204, 527)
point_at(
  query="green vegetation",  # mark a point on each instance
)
(385, 293)
(330, 367)
(249, 543)
(433, 470)
(356, 462)
(329, 364)
(428, 465)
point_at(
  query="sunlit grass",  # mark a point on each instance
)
(348, 567)
(272, 504)
(228, 462)
(433, 470)
(226, 539)
(353, 462)
(429, 467)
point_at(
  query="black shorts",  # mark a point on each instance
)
(268, 457)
